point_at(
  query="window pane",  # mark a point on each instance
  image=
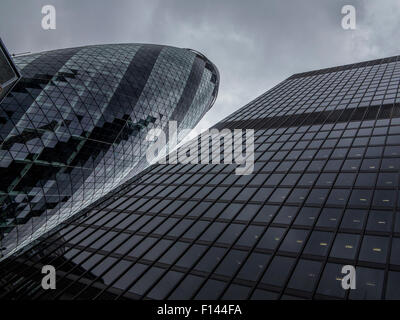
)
(369, 284)
(319, 243)
(353, 219)
(305, 275)
(331, 281)
(345, 246)
(374, 249)
(294, 240)
(278, 271)
(254, 266)
(271, 238)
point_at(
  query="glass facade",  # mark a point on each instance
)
(9, 74)
(324, 193)
(75, 127)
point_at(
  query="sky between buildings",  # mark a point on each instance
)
(255, 43)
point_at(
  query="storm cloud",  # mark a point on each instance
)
(255, 44)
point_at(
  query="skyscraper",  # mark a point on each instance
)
(324, 193)
(9, 74)
(75, 126)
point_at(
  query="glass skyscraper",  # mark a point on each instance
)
(324, 193)
(75, 126)
(9, 74)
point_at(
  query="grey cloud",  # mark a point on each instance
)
(254, 43)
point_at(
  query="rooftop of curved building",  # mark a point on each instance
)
(208, 63)
(214, 70)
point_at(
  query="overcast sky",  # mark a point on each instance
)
(255, 44)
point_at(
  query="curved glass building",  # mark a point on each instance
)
(9, 74)
(74, 127)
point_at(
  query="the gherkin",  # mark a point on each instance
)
(74, 127)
